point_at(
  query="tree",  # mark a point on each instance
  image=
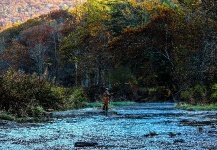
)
(123, 14)
(85, 44)
(202, 20)
(17, 56)
(37, 39)
(151, 44)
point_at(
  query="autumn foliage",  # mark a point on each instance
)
(142, 50)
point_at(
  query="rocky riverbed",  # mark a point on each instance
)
(144, 126)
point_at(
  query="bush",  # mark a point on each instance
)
(186, 95)
(16, 93)
(37, 111)
(64, 94)
(195, 95)
(196, 107)
(214, 93)
(78, 99)
(5, 116)
(21, 93)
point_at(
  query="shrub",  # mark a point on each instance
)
(196, 107)
(195, 95)
(5, 116)
(214, 93)
(63, 94)
(37, 111)
(200, 93)
(20, 93)
(16, 93)
(186, 95)
(78, 99)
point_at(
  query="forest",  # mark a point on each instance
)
(16, 12)
(148, 50)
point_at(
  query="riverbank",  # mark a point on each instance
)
(111, 104)
(185, 106)
(98, 105)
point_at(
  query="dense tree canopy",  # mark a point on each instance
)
(128, 45)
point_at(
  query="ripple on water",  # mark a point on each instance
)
(127, 129)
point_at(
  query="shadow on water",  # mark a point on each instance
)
(149, 126)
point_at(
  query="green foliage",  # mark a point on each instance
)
(5, 116)
(125, 14)
(121, 75)
(120, 79)
(78, 99)
(186, 95)
(37, 111)
(24, 95)
(29, 95)
(168, 3)
(16, 92)
(186, 106)
(195, 95)
(158, 43)
(121, 103)
(111, 104)
(189, 3)
(94, 104)
(214, 93)
(62, 92)
(65, 7)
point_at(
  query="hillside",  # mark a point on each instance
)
(143, 51)
(12, 12)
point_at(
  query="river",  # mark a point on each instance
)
(140, 126)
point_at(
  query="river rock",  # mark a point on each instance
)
(3, 122)
(151, 134)
(9, 124)
(85, 144)
(179, 141)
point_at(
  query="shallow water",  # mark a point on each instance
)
(148, 126)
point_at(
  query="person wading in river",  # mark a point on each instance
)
(106, 99)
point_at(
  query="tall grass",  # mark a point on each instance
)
(111, 104)
(185, 106)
